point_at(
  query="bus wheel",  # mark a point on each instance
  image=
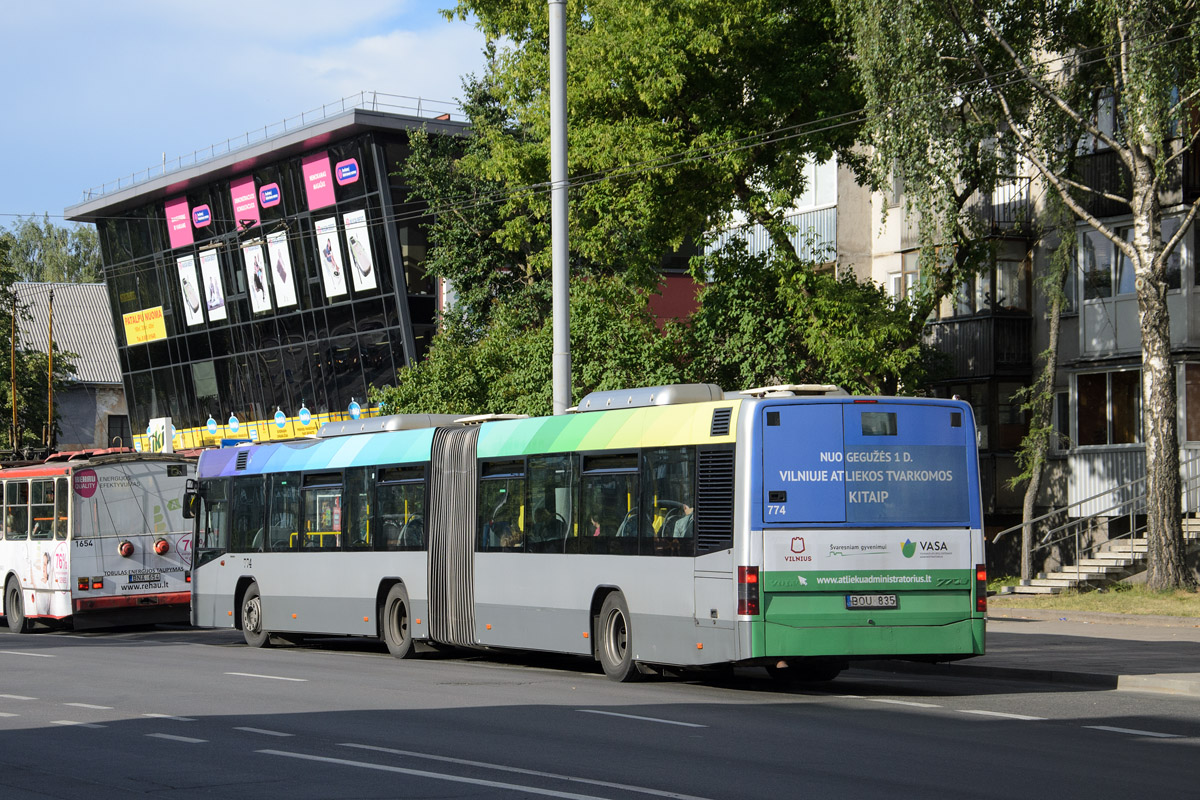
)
(396, 633)
(252, 620)
(615, 640)
(14, 608)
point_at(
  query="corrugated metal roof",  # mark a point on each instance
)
(83, 325)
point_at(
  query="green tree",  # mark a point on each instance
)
(44, 252)
(1051, 67)
(31, 367)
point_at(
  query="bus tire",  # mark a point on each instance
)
(614, 640)
(396, 623)
(252, 618)
(14, 607)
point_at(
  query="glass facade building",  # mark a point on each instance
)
(284, 274)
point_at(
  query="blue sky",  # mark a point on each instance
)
(100, 90)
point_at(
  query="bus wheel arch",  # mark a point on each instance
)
(251, 617)
(14, 605)
(395, 620)
(613, 636)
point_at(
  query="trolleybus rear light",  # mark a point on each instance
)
(125, 548)
(187, 576)
(980, 587)
(162, 547)
(747, 591)
(97, 583)
(84, 584)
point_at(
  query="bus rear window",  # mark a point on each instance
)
(879, 423)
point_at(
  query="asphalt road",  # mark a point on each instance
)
(177, 713)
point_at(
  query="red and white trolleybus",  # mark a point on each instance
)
(95, 539)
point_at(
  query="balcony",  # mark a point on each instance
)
(985, 346)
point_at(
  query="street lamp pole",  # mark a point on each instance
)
(560, 260)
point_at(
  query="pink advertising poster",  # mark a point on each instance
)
(318, 182)
(281, 269)
(245, 202)
(256, 276)
(358, 241)
(329, 253)
(179, 222)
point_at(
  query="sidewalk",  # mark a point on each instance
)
(1108, 651)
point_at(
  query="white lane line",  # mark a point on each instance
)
(8, 714)
(185, 739)
(849, 696)
(1002, 715)
(912, 703)
(89, 705)
(439, 776)
(168, 716)
(262, 731)
(75, 724)
(1133, 732)
(269, 677)
(520, 771)
(16, 697)
(643, 719)
(22, 653)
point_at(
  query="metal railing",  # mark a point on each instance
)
(371, 101)
(1059, 525)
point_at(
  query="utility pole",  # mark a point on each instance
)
(13, 383)
(560, 274)
(50, 379)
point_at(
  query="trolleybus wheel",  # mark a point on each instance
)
(14, 607)
(395, 621)
(615, 640)
(252, 619)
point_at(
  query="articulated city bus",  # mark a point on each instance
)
(95, 540)
(795, 528)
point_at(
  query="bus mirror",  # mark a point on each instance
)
(191, 502)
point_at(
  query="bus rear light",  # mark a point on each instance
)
(97, 583)
(187, 576)
(747, 591)
(125, 548)
(980, 587)
(162, 547)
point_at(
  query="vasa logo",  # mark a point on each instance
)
(908, 548)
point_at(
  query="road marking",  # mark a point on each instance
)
(22, 653)
(849, 696)
(76, 724)
(520, 771)
(439, 776)
(643, 719)
(8, 714)
(912, 703)
(16, 697)
(262, 731)
(168, 716)
(269, 677)
(1134, 732)
(1002, 715)
(89, 705)
(185, 739)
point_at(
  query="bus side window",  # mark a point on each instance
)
(551, 490)
(16, 509)
(322, 501)
(502, 506)
(61, 498)
(668, 521)
(214, 522)
(248, 512)
(357, 523)
(284, 511)
(41, 509)
(399, 518)
(608, 514)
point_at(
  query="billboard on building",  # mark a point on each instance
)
(281, 269)
(257, 279)
(318, 183)
(214, 289)
(329, 253)
(179, 222)
(358, 242)
(245, 202)
(189, 287)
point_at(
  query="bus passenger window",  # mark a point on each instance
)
(283, 514)
(551, 490)
(16, 509)
(399, 519)
(502, 506)
(61, 495)
(42, 510)
(248, 512)
(608, 511)
(668, 520)
(357, 522)
(322, 504)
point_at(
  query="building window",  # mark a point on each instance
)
(119, 434)
(1191, 388)
(910, 273)
(1109, 408)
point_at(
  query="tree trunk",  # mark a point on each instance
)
(1041, 422)
(1165, 566)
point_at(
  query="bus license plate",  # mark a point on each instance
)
(144, 577)
(872, 602)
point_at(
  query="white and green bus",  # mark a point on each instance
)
(792, 527)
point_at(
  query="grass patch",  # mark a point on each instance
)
(1120, 599)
